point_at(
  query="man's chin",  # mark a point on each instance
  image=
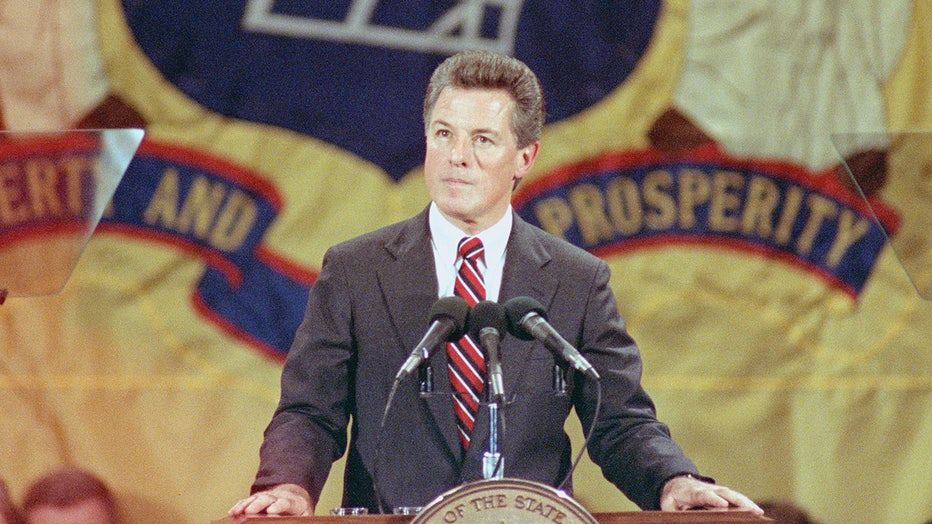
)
(460, 215)
(453, 209)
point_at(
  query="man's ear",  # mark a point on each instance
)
(525, 160)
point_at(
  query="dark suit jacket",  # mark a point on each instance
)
(369, 308)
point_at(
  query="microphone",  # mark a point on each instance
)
(487, 324)
(447, 323)
(527, 320)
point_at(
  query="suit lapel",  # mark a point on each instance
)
(409, 296)
(406, 291)
(525, 261)
(526, 275)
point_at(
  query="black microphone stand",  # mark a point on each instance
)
(493, 463)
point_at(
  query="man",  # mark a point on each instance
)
(69, 496)
(483, 117)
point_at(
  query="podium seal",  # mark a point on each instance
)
(504, 501)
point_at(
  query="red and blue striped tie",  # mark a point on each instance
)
(466, 360)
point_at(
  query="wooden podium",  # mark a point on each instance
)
(625, 517)
(513, 501)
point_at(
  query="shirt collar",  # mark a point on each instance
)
(446, 236)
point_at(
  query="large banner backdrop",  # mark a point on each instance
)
(688, 144)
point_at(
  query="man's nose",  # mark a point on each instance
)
(459, 151)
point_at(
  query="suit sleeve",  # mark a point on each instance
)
(634, 450)
(308, 431)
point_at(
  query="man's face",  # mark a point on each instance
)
(472, 159)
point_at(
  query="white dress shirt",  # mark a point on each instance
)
(445, 238)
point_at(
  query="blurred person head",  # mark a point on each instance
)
(9, 513)
(69, 496)
(783, 512)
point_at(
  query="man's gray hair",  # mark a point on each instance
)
(486, 70)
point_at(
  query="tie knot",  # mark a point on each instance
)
(470, 248)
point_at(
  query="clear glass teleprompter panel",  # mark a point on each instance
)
(905, 186)
(54, 187)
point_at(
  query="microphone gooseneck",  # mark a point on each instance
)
(516, 309)
(527, 319)
(448, 322)
(488, 325)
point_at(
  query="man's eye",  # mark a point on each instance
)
(483, 140)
